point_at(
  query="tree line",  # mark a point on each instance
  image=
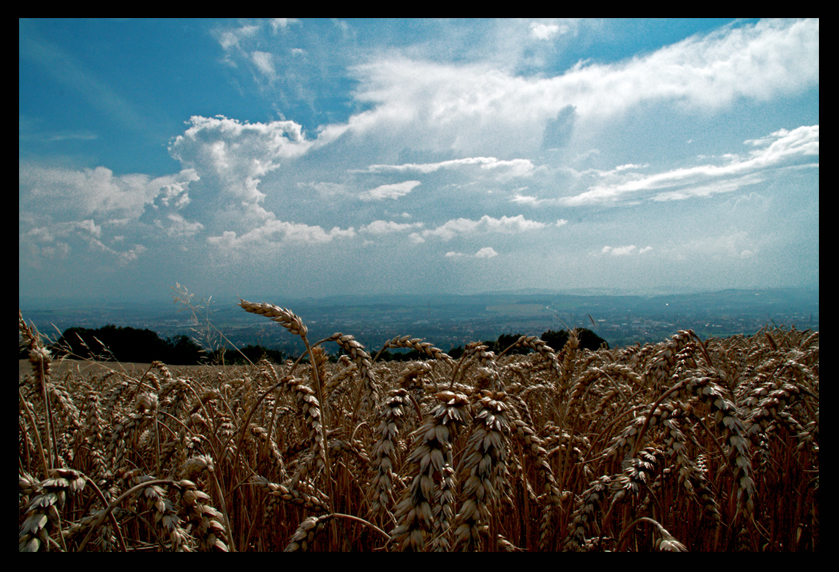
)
(587, 340)
(126, 344)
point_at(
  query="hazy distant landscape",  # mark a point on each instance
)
(448, 321)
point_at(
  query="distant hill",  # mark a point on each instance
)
(453, 320)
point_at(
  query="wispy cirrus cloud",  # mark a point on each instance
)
(780, 149)
(390, 191)
(627, 250)
(510, 168)
(478, 109)
(72, 73)
(796, 148)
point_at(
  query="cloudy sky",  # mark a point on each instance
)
(293, 158)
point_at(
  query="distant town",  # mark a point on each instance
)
(449, 321)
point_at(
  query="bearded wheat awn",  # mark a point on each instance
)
(430, 463)
(486, 464)
(295, 325)
(391, 413)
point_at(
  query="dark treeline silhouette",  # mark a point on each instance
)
(556, 340)
(113, 343)
(588, 340)
(125, 344)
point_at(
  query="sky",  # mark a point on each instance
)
(286, 158)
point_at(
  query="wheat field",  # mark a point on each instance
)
(681, 445)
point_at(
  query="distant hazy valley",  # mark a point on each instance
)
(448, 321)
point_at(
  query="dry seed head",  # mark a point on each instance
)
(287, 318)
(146, 401)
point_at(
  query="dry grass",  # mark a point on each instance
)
(681, 445)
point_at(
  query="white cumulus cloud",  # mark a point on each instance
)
(544, 31)
(486, 252)
(380, 227)
(619, 250)
(485, 224)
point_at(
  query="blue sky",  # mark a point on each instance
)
(292, 158)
